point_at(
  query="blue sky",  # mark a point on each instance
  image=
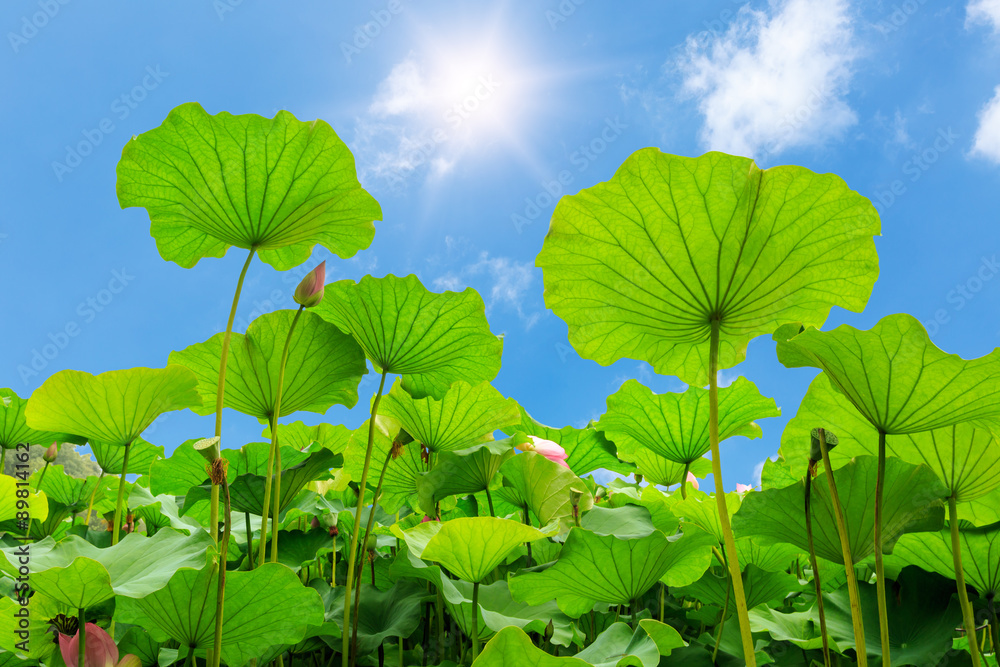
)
(463, 118)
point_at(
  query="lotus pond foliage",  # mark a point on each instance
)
(452, 528)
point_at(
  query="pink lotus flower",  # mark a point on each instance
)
(100, 650)
(550, 450)
(310, 291)
(51, 453)
(692, 480)
(743, 488)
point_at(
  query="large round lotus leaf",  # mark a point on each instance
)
(430, 339)
(300, 435)
(581, 575)
(14, 429)
(464, 416)
(896, 377)
(759, 586)
(39, 640)
(323, 369)
(395, 612)
(966, 459)
(980, 555)
(38, 505)
(78, 574)
(470, 547)
(661, 470)
(263, 607)
(545, 487)
(923, 613)
(587, 449)
(141, 455)
(675, 426)
(400, 483)
(279, 185)
(73, 492)
(463, 472)
(620, 645)
(911, 502)
(113, 407)
(641, 265)
(511, 647)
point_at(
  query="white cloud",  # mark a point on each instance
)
(403, 91)
(775, 79)
(510, 282)
(985, 12)
(987, 140)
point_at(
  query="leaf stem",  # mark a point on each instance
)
(121, 496)
(732, 558)
(527, 522)
(963, 595)
(722, 625)
(223, 557)
(475, 621)
(684, 481)
(93, 494)
(815, 568)
(352, 552)
(368, 530)
(994, 627)
(845, 547)
(81, 643)
(489, 500)
(883, 611)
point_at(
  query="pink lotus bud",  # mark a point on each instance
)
(692, 480)
(550, 450)
(314, 523)
(310, 291)
(51, 453)
(100, 650)
(743, 488)
(427, 518)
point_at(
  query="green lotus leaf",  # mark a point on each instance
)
(263, 607)
(675, 426)
(408, 565)
(38, 502)
(432, 340)
(180, 471)
(465, 416)
(530, 479)
(41, 608)
(700, 509)
(511, 647)
(141, 456)
(471, 547)
(626, 523)
(759, 586)
(402, 473)
(581, 575)
(619, 645)
(896, 377)
(246, 491)
(800, 628)
(301, 547)
(932, 552)
(159, 511)
(689, 557)
(655, 501)
(587, 449)
(14, 429)
(323, 369)
(661, 470)
(497, 610)
(922, 617)
(911, 503)
(279, 185)
(138, 642)
(78, 574)
(299, 435)
(966, 459)
(641, 265)
(395, 612)
(463, 472)
(113, 407)
(73, 492)
(251, 459)
(773, 557)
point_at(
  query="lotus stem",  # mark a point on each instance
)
(883, 612)
(352, 553)
(994, 627)
(249, 529)
(368, 531)
(121, 497)
(220, 597)
(684, 480)
(93, 494)
(722, 625)
(475, 621)
(527, 522)
(81, 633)
(38, 487)
(845, 546)
(489, 500)
(963, 595)
(663, 590)
(439, 611)
(815, 567)
(732, 558)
